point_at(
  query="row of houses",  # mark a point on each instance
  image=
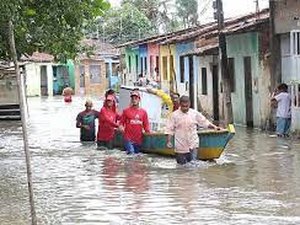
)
(90, 74)
(188, 62)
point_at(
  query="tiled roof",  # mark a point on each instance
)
(38, 57)
(232, 25)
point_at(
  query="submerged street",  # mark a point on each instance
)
(256, 181)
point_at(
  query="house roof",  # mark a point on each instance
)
(100, 47)
(210, 30)
(38, 57)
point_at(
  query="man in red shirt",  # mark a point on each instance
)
(107, 123)
(134, 120)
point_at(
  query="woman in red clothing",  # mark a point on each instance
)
(107, 123)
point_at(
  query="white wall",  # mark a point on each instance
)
(33, 78)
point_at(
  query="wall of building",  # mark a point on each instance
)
(206, 100)
(165, 71)
(238, 47)
(33, 78)
(91, 89)
(153, 52)
(8, 90)
(143, 53)
(182, 49)
(286, 16)
(132, 70)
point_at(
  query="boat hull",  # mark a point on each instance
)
(211, 145)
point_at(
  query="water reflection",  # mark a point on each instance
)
(256, 181)
(137, 179)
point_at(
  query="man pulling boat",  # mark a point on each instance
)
(183, 125)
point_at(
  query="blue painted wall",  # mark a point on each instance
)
(182, 48)
(143, 52)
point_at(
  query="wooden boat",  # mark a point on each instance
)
(212, 143)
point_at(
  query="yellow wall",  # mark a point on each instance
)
(166, 51)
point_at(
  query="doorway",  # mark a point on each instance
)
(191, 82)
(44, 81)
(248, 91)
(215, 84)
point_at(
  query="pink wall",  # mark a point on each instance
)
(153, 52)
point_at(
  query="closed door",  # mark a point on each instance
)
(215, 93)
(191, 81)
(248, 91)
(44, 81)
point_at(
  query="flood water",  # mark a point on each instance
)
(256, 181)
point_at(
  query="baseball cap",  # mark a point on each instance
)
(135, 93)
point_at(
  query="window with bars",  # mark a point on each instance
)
(204, 80)
(295, 92)
(95, 74)
(181, 61)
(295, 42)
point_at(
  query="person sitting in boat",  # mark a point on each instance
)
(133, 121)
(182, 125)
(85, 120)
(107, 123)
(67, 93)
(142, 81)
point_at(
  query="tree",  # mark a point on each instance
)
(49, 26)
(123, 24)
(188, 11)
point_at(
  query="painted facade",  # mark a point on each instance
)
(286, 16)
(182, 74)
(250, 97)
(91, 77)
(205, 85)
(153, 61)
(167, 66)
(143, 60)
(189, 63)
(132, 65)
(39, 79)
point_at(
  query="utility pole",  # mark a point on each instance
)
(219, 16)
(21, 91)
(274, 49)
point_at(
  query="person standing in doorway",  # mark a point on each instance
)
(282, 99)
(183, 125)
(85, 120)
(134, 121)
(107, 123)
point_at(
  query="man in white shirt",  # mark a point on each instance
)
(283, 100)
(183, 125)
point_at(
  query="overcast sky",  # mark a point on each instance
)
(232, 8)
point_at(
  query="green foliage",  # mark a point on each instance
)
(187, 10)
(53, 26)
(124, 24)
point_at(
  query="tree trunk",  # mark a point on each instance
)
(13, 55)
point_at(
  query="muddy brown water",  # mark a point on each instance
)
(256, 181)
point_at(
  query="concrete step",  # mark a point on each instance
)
(10, 117)
(4, 112)
(10, 111)
(9, 106)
